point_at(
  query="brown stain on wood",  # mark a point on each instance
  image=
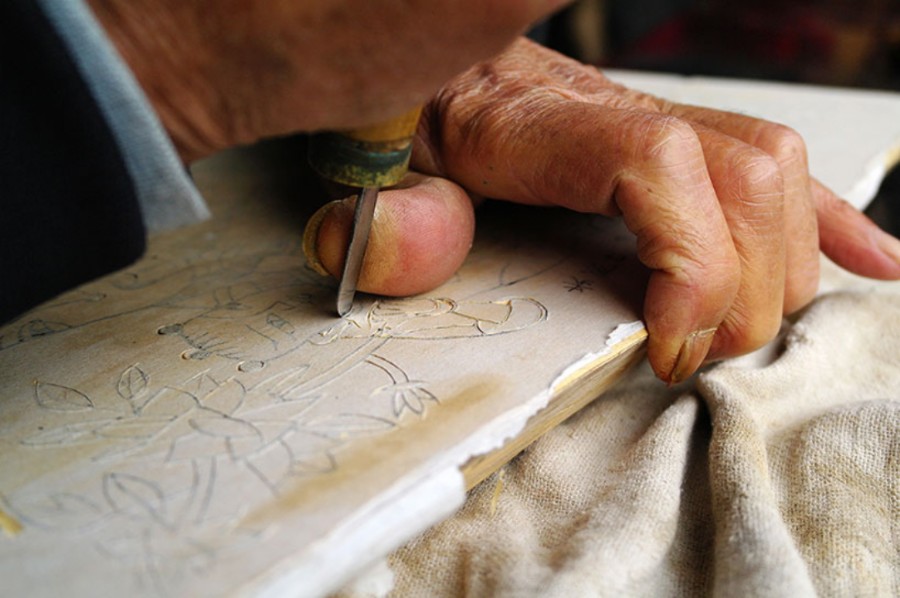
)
(9, 524)
(358, 467)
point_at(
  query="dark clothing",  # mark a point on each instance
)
(68, 206)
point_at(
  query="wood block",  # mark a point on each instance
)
(201, 424)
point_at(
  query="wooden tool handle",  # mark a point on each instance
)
(373, 156)
(398, 129)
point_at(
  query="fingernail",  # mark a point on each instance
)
(694, 349)
(889, 245)
(311, 237)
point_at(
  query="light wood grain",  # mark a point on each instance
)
(201, 421)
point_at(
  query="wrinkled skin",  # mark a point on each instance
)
(723, 206)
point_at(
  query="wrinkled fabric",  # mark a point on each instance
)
(773, 474)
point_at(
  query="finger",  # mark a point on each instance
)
(853, 241)
(421, 233)
(750, 190)
(787, 147)
(541, 149)
(668, 201)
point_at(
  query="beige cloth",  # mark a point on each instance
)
(778, 479)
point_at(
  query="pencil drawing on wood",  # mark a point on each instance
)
(147, 415)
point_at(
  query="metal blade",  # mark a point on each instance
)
(362, 224)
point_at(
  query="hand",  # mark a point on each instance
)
(725, 212)
(710, 195)
(226, 72)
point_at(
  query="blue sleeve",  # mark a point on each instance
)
(167, 196)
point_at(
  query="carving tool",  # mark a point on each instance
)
(369, 158)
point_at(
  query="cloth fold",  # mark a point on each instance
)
(777, 474)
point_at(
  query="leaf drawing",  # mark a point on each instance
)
(317, 463)
(168, 402)
(223, 426)
(269, 432)
(38, 328)
(60, 398)
(133, 495)
(409, 395)
(200, 385)
(132, 383)
(212, 434)
(226, 398)
(405, 394)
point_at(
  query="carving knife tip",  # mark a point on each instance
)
(359, 239)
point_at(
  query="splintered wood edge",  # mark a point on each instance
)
(573, 394)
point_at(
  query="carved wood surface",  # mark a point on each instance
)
(201, 421)
(201, 424)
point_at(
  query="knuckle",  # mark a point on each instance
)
(665, 141)
(707, 271)
(747, 328)
(837, 206)
(758, 176)
(758, 185)
(692, 257)
(782, 143)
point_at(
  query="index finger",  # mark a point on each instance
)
(543, 149)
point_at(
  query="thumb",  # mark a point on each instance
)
(421, 233)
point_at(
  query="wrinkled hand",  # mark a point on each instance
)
(225, 72)
(723, 206)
